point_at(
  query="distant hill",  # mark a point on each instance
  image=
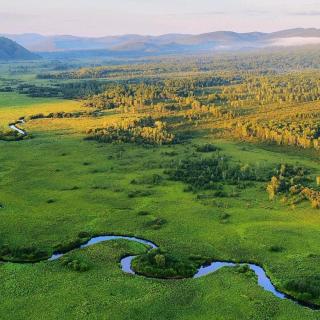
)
(141, 45)
(10, 50)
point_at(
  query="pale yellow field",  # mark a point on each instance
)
(12, 114)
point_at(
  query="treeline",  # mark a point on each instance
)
(273, 62)
(144, 131)
(160, 69)
(35, 91)
(74, 90)
(280, 89)
(304, 134)
(61, 115)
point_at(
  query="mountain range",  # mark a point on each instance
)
(142, 45)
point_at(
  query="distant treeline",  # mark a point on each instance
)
(262, 62)
(74, 90)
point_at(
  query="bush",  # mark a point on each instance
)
(158, 264)
(154, 179)
(223, 216)
(68, 246)
(84, 235)
(276, 248)
(10, 135)
(221, 194)
(170, 153)
(24, 254)
(305, 288)
(207, 148)
(75, 264)
(143, 213)
(156, 223)
(243, 268)
(139, 193)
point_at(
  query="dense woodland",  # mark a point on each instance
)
(145, 131)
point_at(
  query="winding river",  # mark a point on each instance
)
(263, 280)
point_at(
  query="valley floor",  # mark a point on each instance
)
(57, 185)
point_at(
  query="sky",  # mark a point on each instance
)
(114, 17)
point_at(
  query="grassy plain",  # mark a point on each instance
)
(57, 185)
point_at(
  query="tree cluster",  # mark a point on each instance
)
(140, 131)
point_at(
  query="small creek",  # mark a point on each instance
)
(14, 127)
(263, 280)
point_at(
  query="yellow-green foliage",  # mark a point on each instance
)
(140, 131)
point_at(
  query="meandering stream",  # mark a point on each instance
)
(14, 127)
(263, 280)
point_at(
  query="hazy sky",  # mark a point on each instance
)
(108, 17)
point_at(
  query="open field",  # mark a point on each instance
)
(59, 185)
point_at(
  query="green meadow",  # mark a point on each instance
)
(58, 189)
(55, 186)
(13, 99)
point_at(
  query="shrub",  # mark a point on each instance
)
(243, 268)
(139, 193)
(143, 213)
(154, 179)
(23, 254)
(160, 260)
(224, 216)
(84, 235)
(207, 148)
(306, 288)
(10, 135)
(170, 153)
(75, 264)
(276, 248)
(158, 264)
(67, 246)
(220, 194)
(156, 223)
